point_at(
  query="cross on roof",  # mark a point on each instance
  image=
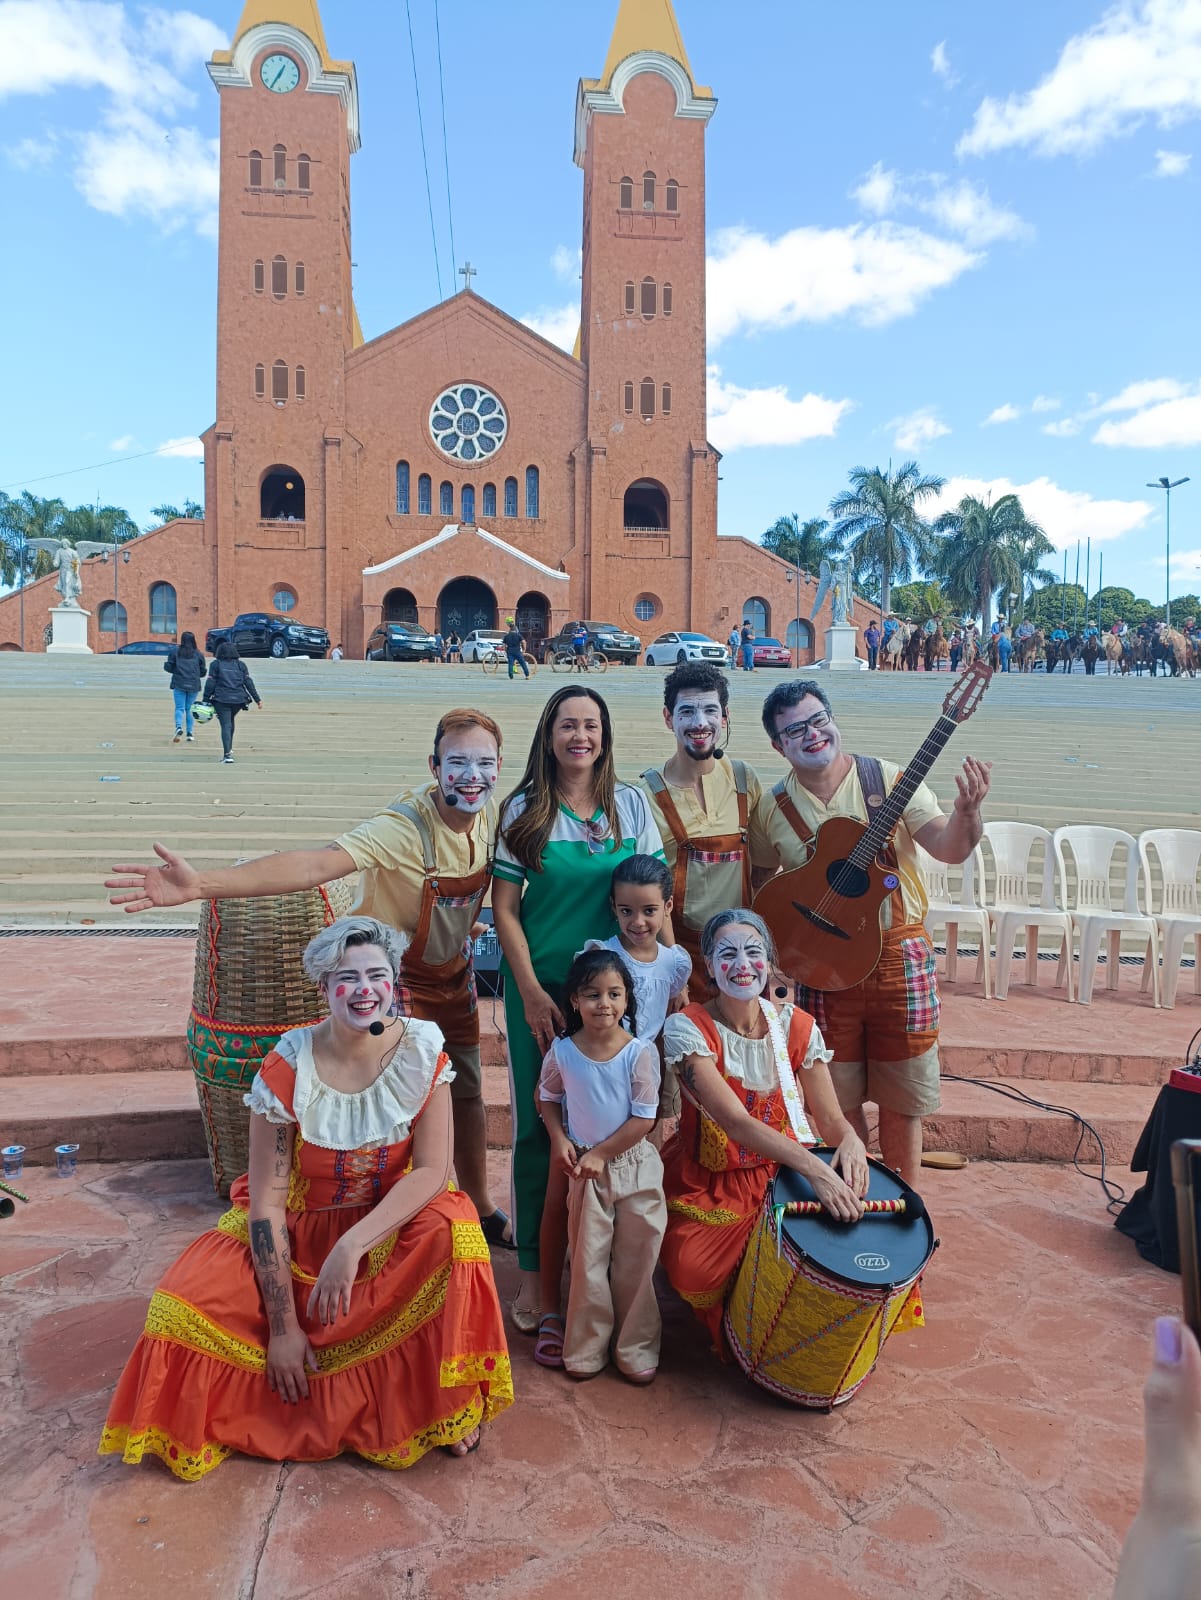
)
(467, 272)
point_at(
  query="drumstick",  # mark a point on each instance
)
(913, 1206)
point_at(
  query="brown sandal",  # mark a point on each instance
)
(944, 1160)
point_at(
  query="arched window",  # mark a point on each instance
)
(300, 383)
(446, 500)
(667, 299)
(627, 399)
(400, 605)
(260, 381)
(162, 608)
(630, 302)
(625, 194)
(281, 495)
(425, 495)
(256, 169)
(531, 491)
(646, 398)
(279, 277)
(302, 173)
(467, 503)
(647, 607)
(402, 488)
(280, 163)
(648, 191)
(800, 636)
(279, 381)
(646, 507)
(758, 613)
(647, 298)
(111, 617)
(489, 499)
(260, 277)
(510, 497)
(665, 400)
(298, 277)
(673, 195)
(283, 598)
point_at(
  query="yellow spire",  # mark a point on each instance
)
(645, 25)
(302, 15)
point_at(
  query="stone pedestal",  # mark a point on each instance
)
(840, 650)
(70, 631)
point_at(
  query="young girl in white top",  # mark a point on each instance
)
(600, 1092)
(640, 894)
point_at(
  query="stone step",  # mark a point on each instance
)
(142, 1116)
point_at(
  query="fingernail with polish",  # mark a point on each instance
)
(1167, 1341)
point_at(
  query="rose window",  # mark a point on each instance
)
(468, 422)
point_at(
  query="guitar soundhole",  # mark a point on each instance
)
(847, 879)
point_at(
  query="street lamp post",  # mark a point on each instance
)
(1167, 486)
(795, 577)
(117, 597)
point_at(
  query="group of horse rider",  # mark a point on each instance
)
(897, 644)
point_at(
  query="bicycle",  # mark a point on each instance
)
(496, 659)
(568, 661)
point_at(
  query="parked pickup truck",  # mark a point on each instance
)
(265, 633)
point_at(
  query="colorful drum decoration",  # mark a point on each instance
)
(815, 1298)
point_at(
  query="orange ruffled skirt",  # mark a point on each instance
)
(420, 1361)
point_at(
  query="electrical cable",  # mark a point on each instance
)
(1114, 1193)
(450, 216)
(70, 472)
(429, 197)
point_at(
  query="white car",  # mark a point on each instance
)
(673, 649)
(481, 642)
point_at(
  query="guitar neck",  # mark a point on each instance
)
(884, 823)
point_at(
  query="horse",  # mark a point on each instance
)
(1090, 651)
(1116, 654)
(913, 649)
(1029, 650)
(890, 654)
(1176, 652)
(937, 650)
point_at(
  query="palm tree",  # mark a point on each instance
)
(170, 513)
(107, 524)
(878, 523)
(800, 543)
(23, 517)
(984, 549)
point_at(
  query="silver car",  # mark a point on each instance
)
(673, 649)
(481, 642)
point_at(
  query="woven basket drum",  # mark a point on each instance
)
(249, 987)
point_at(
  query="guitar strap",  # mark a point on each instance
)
(871, 782)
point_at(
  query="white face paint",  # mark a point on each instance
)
(360, 991)
(468, 769)
(698, 724)
(739, 964)
(810, 748)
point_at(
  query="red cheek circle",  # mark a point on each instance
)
(387, 987)
(340, 992)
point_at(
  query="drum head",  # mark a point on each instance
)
(876, 1250)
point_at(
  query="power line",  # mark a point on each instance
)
(95, 466)
(429, 197)
(450, 216)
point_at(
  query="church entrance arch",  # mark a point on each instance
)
(465, 604)
(533, 618)
(400, 605)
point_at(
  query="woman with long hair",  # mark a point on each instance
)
(562, 831)
(185, 663)
(229, 689)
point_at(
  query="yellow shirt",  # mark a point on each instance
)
(387, 850)
(718, 815)
(774, 841)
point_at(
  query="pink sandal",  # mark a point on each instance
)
(548, 1347)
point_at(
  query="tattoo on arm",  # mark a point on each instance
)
(686, 1073)
(262, 1244)
(269, 1262)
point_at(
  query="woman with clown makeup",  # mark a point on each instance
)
(755, 1093)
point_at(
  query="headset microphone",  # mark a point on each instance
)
(376, 1028)
(451, 799)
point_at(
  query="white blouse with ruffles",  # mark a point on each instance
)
(751, 1061)
(382, 1113)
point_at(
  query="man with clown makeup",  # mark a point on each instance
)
(702, 805)
(426, 864)
(883, 1031)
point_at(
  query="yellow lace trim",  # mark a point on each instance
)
(714, 1147)
(447, 1430)
(386, 1335)
(298, 1185)
(236, 1224)
(718, 1217)
(483, 1366)
(468, 1242)
(186, 1464)
(180, 1323)
(706, 1299)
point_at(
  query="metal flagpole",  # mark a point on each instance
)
(1063, 590)
(1100, 585)
(1076, 587)
(1088, 562)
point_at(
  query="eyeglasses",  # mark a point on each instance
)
(596, 832)
(797, 730)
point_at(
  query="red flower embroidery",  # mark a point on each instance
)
(174, 1453)
(489, 1363)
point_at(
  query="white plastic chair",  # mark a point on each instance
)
(944, 911)
(1023, 900)
(1177, 852)
(1096, 912)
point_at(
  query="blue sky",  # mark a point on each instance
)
(965, 234)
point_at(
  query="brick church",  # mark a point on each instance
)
(459, 468)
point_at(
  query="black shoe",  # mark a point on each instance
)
(497, 1231)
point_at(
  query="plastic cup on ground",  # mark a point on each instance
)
(14, 1160)
(66, 1155)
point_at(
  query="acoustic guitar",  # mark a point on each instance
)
(825, 915)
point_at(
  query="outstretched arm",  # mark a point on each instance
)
(952, 839)
(177, 881)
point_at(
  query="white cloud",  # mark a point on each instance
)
(1171, 163)
(873, 272)
(125, 442)
(918, 429)
(189, 446)
(1005, 413)
(956, 205)
(1186, 565)
(743, 418)
(559, 324)
(1045, 402)
(1065, 515)
(1142, 60)
(567, 262)
(1149, 391)
(940, 64)
(1065, 428)
(132, 161)
(29, 154)
(1170, 424)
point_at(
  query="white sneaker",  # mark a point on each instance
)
(191, 740)
(227, 761)
(178, 736)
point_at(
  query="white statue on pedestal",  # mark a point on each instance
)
(68, 558)
(836, 575)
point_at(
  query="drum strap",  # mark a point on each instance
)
(793, 1104)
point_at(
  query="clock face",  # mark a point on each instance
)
(279, 73)
(468, 422)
